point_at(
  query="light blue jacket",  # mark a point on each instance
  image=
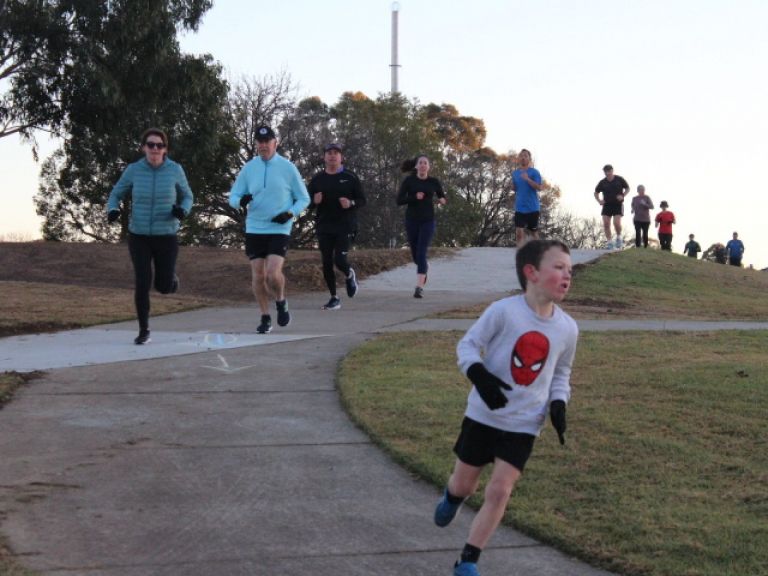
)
(276, 186)
(153, 193)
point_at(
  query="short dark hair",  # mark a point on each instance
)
(154, 132)
(607, 167)
(532, 253)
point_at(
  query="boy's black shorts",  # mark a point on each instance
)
(262, 245)
(479, 444)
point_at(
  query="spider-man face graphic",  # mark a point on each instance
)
(528, 357)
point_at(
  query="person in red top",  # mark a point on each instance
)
(664, 221)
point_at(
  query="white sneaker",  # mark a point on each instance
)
(619, 243)
(609, 245)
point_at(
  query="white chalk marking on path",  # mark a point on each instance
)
(226, 368)
(89, 346)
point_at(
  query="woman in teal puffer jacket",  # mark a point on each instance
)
(160, 199)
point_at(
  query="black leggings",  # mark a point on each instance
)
(144, 249)
(419, 238)
(334, 249)
(666, 241)
(641, 230)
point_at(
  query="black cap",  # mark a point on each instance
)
(333, 146)
(264, 133)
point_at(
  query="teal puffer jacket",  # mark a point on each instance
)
(153, 193)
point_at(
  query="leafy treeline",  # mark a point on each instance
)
(98, 72)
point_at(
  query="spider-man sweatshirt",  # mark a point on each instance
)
(532, 354)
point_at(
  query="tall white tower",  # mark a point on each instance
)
(394, 66)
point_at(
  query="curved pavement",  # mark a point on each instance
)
(214, 450)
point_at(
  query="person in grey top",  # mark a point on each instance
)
(641, 208)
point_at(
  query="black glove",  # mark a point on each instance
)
(113, 215)
(282, 218)
(488, 386)
(178, 212)
(557, 416)
(245, 199)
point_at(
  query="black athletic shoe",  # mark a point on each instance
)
(142, 338)
(283, 316)
(174, 285)
(333, 304)
(351, 284)
(419, 292)
(266, 324)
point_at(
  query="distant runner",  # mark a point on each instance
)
(692, 248)
(418, 192)
(526, 182)
(734, 250)
(613, 188)
(664, 221)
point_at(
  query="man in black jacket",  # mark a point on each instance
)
(336, 194)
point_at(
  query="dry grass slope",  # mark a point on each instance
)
(47, 286)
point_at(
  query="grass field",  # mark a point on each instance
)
(644, 284)
(665, 468)
(665, 471)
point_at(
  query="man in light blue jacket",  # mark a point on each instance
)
(270, 189)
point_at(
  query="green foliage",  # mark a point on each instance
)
(46, 44)
(99, 73)
(124, 73)
(33, 48)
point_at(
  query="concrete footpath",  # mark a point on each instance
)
(217, 451)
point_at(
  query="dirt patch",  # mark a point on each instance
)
(51, 286)
(211, 273)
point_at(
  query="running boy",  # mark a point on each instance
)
(518, 355)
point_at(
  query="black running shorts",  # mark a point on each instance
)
(528, 220)
(262, 245)
(479, 444)
(613, 210)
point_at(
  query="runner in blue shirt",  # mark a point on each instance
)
(734, 250)
(526, 182)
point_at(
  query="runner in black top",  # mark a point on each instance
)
(336, 195)
(613, 188)
(418, 191)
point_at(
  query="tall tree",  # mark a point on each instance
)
(378, 135)
(251, 102)
(34, 44)
(41, 41)
(125, 74)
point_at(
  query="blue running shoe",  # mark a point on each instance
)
(445, 511)
(465, 569)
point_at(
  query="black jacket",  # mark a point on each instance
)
(331, 218)
(420, 210)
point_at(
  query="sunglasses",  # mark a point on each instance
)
(153, 145)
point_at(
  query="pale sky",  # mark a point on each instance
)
(673, 93)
